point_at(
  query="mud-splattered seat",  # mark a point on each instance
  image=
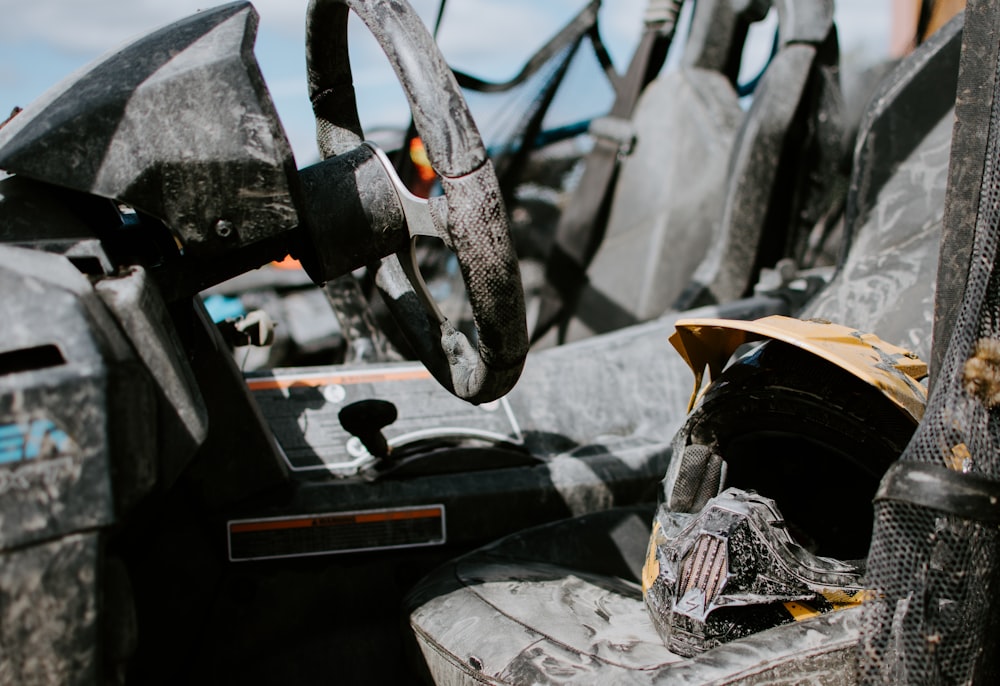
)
(562, 603)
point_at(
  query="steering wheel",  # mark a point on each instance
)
(470, 218)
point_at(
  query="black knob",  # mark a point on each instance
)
(366, 419)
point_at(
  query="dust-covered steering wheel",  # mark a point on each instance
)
(470, 217)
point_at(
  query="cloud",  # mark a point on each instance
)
(95, 26)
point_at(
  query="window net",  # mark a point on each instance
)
(931, 617)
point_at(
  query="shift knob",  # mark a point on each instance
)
(366, 419)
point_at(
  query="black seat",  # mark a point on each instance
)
(562, 603)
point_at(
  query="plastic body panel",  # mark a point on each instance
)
(178, 124)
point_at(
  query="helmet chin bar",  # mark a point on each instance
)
(734, 569)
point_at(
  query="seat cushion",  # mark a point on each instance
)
(488, 614)
(562, 604)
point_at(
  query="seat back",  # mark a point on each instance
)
(712, 193)
(785, 167)
(896, 201)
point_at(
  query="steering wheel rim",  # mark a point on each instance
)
(472, 219)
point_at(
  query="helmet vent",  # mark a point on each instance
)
(705, 568)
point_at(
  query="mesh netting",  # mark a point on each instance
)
(933, 562)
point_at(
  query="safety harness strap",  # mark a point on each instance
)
(582, 224)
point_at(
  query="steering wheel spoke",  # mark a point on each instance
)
(470, 219)
(419, 217)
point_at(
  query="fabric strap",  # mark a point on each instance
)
(582, 223)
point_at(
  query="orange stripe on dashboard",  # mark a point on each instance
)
(398, 515)
(334, 520)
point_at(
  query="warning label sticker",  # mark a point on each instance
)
(336, 532)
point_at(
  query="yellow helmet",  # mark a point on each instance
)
(766, 508)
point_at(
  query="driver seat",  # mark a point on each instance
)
(562, 603)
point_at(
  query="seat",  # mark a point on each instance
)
(711, 194)
(562, 603)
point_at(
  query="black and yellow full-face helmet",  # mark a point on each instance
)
(766, 510)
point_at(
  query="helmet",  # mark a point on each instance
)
(766, 508)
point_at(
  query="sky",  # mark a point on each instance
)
(43, 41)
